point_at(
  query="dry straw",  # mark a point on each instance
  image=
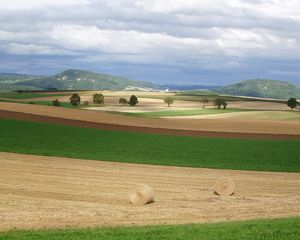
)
(142, 195)
(224, 186)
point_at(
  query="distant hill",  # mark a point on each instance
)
(9, 80)
(262, 88)
(69, 80)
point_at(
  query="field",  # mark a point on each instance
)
(20, 96)
(238, 115)
(84, 143)
(43, 103)
(151, 105)
(72, 168)
(283, 229)
(240, 126)
(76, 193)
(184, 113)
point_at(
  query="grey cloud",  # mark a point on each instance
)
(209, 37)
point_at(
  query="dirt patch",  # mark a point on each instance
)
(258, 105)
(253, 115)
(47, 192)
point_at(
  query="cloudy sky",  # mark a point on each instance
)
(163, 41)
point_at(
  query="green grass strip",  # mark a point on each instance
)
(272, 229)
(84, 143)
(189, 112)
(16, 95)
(62, 104)
(46, 103)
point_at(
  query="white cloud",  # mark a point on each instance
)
(117, 41)
(229, 42)
(33, 49)
(34, 4)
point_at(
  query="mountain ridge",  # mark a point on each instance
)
(71, 79)
(264, 88)
(74, 79)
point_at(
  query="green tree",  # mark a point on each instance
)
(98, 98)
(220, 102)
(56, 103)
(75, 99)
(123, 101)
(133, 100)
(292, 103)
(204, 102)
(169, 101)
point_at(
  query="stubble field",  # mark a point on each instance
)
(46, 192)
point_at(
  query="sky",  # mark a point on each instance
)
(200, 42)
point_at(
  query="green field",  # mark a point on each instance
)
(194, 97)
(189, 112)
(16, 95)
(45, 103)
(65, 104)
(275, 229)
(83, 143)
(62, 104)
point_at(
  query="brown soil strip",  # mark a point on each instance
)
(115, 127)
(39, 192)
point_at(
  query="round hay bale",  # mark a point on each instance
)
(141, 195)
(224, 186)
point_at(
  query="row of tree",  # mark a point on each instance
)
(218, 102)
(221, 102)
(75, 100)
(133, 100)
(98, 98)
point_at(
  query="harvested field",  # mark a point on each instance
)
(146, 105)
(251, 115)
(208, 125)
(48, 192)
(258, 105)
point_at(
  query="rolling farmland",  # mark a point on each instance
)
(71, 168)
